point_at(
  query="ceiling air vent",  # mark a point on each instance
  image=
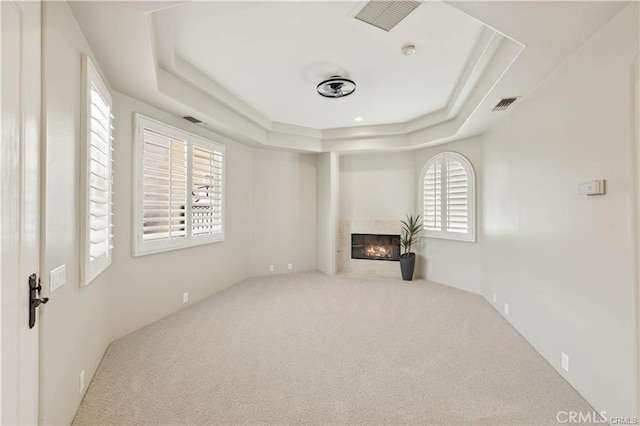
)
(504, 104)
(192, 119)
(386, 14)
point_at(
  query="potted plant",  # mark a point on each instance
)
(409, 236)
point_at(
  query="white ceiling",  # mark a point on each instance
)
(222, 62)
(272, 55)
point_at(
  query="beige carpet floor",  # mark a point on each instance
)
(311, 349)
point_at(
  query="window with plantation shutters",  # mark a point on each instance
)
(448, 194)
(97, 176)
(179, 197)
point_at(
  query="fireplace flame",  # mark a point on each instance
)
(377, 251)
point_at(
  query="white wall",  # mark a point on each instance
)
(454, 263)
(379, 186)
(283, 206)
(565, 262)
(327, 215)
(144, 289)
(75, 324)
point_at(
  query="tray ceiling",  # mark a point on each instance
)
(271, 56)
(249, 69)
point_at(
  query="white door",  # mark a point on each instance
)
(19, 208)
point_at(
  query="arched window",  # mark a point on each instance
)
(448, 185)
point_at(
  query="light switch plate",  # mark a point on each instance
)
(57, 278)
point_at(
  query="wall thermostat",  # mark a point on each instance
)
(595, 187)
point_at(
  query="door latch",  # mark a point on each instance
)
(34, 300)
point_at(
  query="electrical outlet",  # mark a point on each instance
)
(57, 278)
(185, 297)
(271, 268)
(82, 381)
(506, 308)
(290, 266)
(565, 362)
(495, 298)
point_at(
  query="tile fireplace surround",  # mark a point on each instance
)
(364, 267)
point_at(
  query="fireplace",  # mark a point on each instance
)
(375, 247)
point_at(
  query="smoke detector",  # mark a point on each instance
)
(336, 87)
(408, 49)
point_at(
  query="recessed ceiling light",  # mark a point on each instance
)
(358, 118)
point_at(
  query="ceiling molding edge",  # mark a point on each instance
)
(489, 60)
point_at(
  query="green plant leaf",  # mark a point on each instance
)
(410, 233)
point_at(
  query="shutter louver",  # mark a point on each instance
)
(164, 187)
(432, 196)
(100, 177)
(207, 191)
(457, 197)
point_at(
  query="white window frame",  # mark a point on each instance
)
(142, 247)
(442, 157)
(91, 268)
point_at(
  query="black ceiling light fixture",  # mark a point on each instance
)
(336, 87)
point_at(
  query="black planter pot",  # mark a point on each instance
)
(407, 265)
